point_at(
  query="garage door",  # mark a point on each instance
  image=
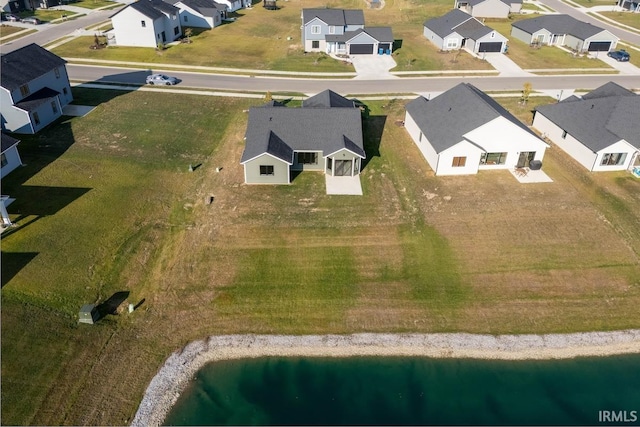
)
(490, 47)
(599, 46)
(361, 49)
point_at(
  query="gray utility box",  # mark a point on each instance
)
(88, 314)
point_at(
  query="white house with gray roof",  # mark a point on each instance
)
(342, 31)
(201, 13)
(34, 89)
(601, 130)
(489, 8)
(463, 131)
(324, 135)
(458, 29)
(145, 23)
(564, 30)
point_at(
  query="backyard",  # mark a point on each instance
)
(107, 210)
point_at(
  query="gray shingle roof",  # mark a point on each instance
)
(472, 29)
(36, 99)
(7, 142)
(558, 24)
(337, 17)
(205, 7)
(26, 64)
(445, 119)
(442, 26)
(152, 8)
(608, 89)
(600, 121)
(328, 99)
(381, 34)
(323, 129)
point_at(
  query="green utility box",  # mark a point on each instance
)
(88, 314)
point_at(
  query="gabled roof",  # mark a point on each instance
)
(443, 25)
(328, 99)
(205, 7)
(152, 9)
(597, 122)
(558, 24)
(472, 29)
(608, 89)
(380, 34)
(26, 64)
(507, 2)
(7, 141)
(336, 17)
(447, 118)
(36, 99)
(314, 129)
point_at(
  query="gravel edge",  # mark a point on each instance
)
(181, 366)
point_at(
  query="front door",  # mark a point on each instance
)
(525, 158)
(342, 168)
(164, 37)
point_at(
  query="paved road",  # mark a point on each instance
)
(50, 32)
(561, 7)
(422, 85)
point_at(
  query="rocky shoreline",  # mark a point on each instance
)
(181, 366)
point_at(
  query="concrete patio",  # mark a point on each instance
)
(531, 176)
(344, 185)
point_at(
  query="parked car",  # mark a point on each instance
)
(10, 17)
(31, 20)
(161, 79)
(619, 55)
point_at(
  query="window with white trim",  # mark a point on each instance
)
(143, 23)
(266, 170)
(332, 29)
(613, 159)
(452, 43)
(307, 158)
(315, 29)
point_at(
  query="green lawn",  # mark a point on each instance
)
(106, 204)
(592, 3)
(9, 32)
(94, 4)
(626, 18)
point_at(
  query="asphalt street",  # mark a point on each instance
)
(422, 85)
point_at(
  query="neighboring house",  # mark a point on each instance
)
(325, 135)
(601, 130)
(35, 87)
(463, 130)
(343, 31)
(201, 13)
(22, 5)
(458, 29)
(145, 23)
(489, 8)
(564, 30)
(10, 156)
(10, 161)
(233, 5)
(631, 5)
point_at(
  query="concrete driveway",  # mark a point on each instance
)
(623, 67)
(373, 67)
(503, 64)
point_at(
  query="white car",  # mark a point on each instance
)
(161, 79)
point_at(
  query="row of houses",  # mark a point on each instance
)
(344, 32)
(460, 132)
(458, 29)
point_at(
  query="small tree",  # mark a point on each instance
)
(96, 40)
(188, 32)
(268, 97)
(526, 91)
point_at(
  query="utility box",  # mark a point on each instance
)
(88, 314)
